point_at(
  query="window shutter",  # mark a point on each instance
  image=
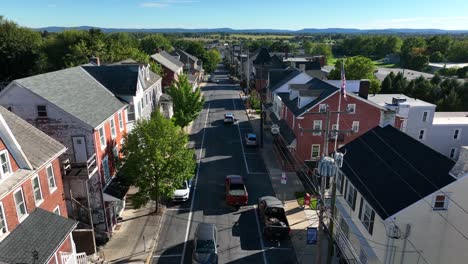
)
(371, 226)
(354, 199)
(360, 208)
(345, 189)
(342, 183)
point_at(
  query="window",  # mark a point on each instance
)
(20, 205)
(421, 134)
(51, 179)
(57, 210)
(102, 137)
(36, 186)
(351, 108)
(453, 151)
(322, 108)
(3, 225)
(5, 162)
(317, 126)
(366, 215)
(112, 125)
(120, 121)
(424, 117)
(440, 202)
(456, 134)
(315, 153)
(105, 168)
(355, 127)
(41, 111)
(350, 195)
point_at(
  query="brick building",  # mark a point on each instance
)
(171, 66)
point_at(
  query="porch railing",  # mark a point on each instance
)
(73, 258)
(88, 168)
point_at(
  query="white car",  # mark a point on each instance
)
(182, 193)
(229, 118)
(251, 140)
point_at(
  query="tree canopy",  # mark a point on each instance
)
(187, 103)
(156, 159)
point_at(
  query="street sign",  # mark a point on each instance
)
(283, 178)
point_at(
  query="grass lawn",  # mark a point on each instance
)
(380, 64)
(331, 62)
(300, 200)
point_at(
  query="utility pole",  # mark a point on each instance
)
(322, 208)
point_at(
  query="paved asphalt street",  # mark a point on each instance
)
(222, 153)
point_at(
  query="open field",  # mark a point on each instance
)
(239, 36)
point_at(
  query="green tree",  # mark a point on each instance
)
(458, 51)
(422, 89)
(213, 57)
(437, 57)
(156, 68)
(151, 43)
(450, 102)
(156, 159)
(187, 103)
(356, 68)
(20, 51)
(387, 85)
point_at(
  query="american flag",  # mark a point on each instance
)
(343, 81)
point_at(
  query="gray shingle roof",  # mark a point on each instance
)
(315, 86)
(280, 77)
(184, 55)
(76, 92)
(41, 231)
(366, 155)
(168, 61)
(36, 145)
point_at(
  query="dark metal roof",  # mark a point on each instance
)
(278, 77)
(312, 85)
(41, 231)
(118, 187)
(386, 161)
(286, 132)
(263, 57)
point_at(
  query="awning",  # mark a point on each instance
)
(116, 190)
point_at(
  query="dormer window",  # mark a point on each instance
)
(440, 202)
(41, 111)
(5, 163)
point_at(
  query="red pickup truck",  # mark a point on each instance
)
(236, 193)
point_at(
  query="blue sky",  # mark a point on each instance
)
(239, 14)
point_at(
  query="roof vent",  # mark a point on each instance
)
(398, 100)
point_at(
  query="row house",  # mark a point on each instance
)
(34, 227)
(135, 84)
(171, 66)
(81, 113)
(399, 201)
(262, 64)
(303, 108)
(445, 132)
(192, 66)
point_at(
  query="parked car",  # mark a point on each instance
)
(275, 129)
(251, 140)
(229, 118)
(273, 217)
(182, 193)
(205, 247)
(236, 192)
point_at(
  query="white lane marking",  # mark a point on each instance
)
(167, 256)
(177, 209)
(195, 186)
(260, 234)
(241, 142)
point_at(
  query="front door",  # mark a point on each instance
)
(79, 147)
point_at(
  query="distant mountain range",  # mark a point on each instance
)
(276, 31)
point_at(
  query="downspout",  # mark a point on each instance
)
(403, 250)
(386, 250)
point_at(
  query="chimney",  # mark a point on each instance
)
(158, 50)
(364, 86)
(95, 60)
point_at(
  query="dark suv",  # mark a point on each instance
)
(205, 247)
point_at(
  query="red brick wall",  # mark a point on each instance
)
(367, 115)
(50, 200)
(398, 122)
(101, 153)
(168, 77)
(14, 165)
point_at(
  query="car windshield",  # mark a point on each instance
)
(253, 138)
(237, 190)
(205, 246)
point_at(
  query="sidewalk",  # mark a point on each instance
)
(135, 235)
(299, 218)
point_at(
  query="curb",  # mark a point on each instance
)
(149, 258)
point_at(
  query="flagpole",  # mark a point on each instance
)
(339, 105)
